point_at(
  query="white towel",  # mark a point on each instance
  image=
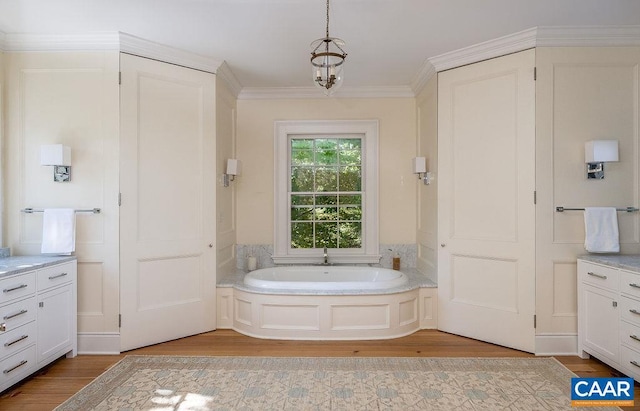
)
(601, 230)
(59, 231)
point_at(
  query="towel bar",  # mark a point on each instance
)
(627, 209)
(33, 210)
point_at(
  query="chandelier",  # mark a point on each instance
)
(326, 60)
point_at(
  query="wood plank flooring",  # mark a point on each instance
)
(53, 385)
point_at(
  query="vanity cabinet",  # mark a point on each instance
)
(37, 320)
(609, 315)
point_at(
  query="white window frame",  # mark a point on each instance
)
(369, 252)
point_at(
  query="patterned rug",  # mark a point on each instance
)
(268, 383)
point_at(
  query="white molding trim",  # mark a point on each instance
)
(500, 46)
(422, 77)
(224, 72)
(556, 344)
(588, 36)
(543, 36)
(103, 41)
(99, 343)
(144, 48)
(278, 93)
(62, 42)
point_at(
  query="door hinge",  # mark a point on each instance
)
(535, 73)
(119, 320)
(535, 197)
(119, 199)
(535, 323)
(119, 77)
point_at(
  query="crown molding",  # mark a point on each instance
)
(512, 43)
(18, 42)
(588, 36)
(261, 93)
(422, 77)
(105, 41)
(544, 36)
(224, 72)
(144, 48)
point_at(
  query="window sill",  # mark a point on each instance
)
(333, 259)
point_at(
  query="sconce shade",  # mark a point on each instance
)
(55, 155)
(599, 151)
(234, 167)
(419, 165)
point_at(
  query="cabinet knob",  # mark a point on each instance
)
(443, 245)
(3, 327)
(210, 245)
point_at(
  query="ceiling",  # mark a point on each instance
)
(266, 42)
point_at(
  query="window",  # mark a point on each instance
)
(326, 191)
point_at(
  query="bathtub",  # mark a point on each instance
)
(339, 278)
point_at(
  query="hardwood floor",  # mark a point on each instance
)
(53, 385)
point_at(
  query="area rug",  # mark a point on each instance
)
(268, 383)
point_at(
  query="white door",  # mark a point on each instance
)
(486, 215)
(167, 214)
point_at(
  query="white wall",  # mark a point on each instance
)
(397, 195)
(72, 99)
(582, 94)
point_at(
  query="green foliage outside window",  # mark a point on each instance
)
(326, 192)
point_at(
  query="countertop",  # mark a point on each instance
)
(416, 280)
(20, 264)
(629, 262)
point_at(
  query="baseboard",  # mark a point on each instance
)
(98, 343)
(557, 344)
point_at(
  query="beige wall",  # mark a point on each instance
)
(70, 99)
(255, 142)
(582, 94)
(225, 196)
(427, 212)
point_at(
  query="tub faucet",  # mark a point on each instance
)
(326, 256)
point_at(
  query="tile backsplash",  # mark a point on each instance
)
(263, 252)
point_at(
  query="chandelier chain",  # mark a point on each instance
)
(327, 18)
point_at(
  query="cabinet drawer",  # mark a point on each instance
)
(630, 310)
(17, 287)
(630, 361)
(17, 339)
(630, 283)
(598, 275)
(16, 367)
(51, 276)
(16, 314)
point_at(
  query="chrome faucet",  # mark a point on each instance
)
(326, 256)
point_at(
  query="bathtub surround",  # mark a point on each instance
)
(260, 383)
(345, 313)
(263, 252)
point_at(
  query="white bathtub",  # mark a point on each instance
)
(325, 278)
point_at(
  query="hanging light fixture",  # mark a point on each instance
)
(326, 60)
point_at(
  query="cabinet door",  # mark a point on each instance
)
(601, 322)
(55, 322)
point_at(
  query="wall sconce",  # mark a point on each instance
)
(233, 169)
(420, 168)
(596, 153)
(59, 157)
